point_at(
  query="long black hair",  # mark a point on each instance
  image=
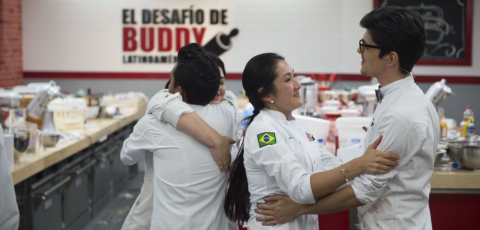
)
(257, 80)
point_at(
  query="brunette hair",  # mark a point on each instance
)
(197, 74)
(397, 29)
(258, 77)
(217, 60)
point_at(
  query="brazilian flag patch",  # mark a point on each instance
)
(266, 139)
(230, 103)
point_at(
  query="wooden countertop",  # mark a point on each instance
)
(30, 164)
(459, 179)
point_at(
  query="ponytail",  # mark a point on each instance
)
(237, 197)
(257, 80)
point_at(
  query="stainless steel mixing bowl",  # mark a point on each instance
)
(50, 140)
(465, 153)
(438, 156)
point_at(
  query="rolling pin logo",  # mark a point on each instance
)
(220, 42)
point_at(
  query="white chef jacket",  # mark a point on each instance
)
(410, 128)
(139, 216)
(189, 188)
(9, 217)
(283, 167)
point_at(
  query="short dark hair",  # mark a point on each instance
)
(397, 29)
(260, 72)
(197, 74)
(219, 62)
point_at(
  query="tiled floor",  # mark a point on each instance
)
(113, 215)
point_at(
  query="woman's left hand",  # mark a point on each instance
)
(280, 209)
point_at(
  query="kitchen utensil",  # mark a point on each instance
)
(21, 139)
(331, 80)
(309, 95)
(50, 140)
(9, 99)
(326, 95)
(438, 91)
(9, 150)
(438, 156)
(465, 153)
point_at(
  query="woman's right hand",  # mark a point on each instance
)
(377, 162)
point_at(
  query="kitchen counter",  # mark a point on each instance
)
(459, 179)
(94, 131)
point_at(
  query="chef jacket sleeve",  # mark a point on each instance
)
(144, 139)
(168, 107)
(273, 155)
(9, 216)
(400, 136)
(329, 161)
(229, 96)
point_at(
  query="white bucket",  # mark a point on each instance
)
(317, 127)
(350, 130)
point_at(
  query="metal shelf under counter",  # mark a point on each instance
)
(65, 186)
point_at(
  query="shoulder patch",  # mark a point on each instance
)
(230, 103)
(310, 137)
(266, 139)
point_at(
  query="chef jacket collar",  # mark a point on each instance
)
(388, 89)
(279, 115)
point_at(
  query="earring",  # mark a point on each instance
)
(271, 101)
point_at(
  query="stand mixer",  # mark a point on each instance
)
(438, 91)
(37, 108)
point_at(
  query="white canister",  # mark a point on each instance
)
(9, 150)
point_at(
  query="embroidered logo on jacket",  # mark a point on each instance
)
(266, 139)
(230, 103)
(310, 136)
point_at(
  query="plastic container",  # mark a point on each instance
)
(468, 114)
(9, 150)
(317, 127)
(320, 143)
(470, 129)
(463, 126)
(349, 113)
(443, 128)
(350, 130)
(68, 113)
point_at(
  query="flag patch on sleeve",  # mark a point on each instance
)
(266, 139)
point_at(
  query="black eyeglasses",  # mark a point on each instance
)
(362, 45)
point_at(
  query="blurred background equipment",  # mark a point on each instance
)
(438, 91)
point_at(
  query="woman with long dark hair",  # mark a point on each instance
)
(278, 156)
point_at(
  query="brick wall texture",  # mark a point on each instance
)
(11, 65)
